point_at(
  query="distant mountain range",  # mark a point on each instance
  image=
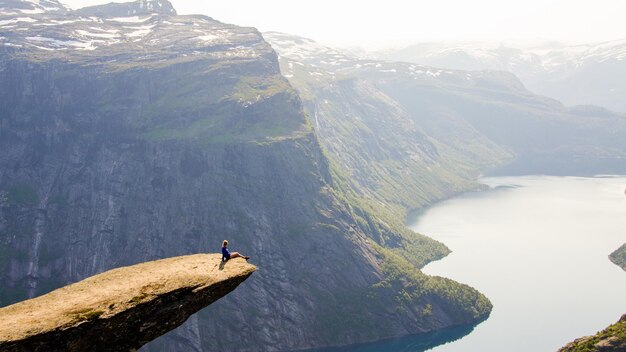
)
(480, 117)
(576, 75)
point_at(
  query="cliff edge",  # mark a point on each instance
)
(121, 309)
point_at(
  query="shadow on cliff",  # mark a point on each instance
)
(223, 264)
(411, 343)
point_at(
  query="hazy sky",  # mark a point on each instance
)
(375, 24)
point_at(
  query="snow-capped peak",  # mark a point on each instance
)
(29, 7)
(305, 49)
(150, 27)
(135, 8)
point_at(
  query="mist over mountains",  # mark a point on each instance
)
(592, 74)
(476, 113)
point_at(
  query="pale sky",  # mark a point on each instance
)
(377, 24)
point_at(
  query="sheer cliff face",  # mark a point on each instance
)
(130, 134)
(388, 155)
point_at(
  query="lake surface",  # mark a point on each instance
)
(537, 246)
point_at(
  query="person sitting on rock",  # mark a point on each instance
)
(226, 254)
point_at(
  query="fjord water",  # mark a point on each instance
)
(537, 246)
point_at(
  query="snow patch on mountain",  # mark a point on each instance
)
(574, 74)
(151, 24)
(301, 57)
(51, 43)
(30, 7)
(131, 19)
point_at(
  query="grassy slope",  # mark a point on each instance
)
(611, 339)
(218, 119)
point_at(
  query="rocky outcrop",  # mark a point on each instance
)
(611, 339)
(619, 257)
(121, 309)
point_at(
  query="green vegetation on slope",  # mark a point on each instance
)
(384, 224)
(383, 167)
(619, 256)
(385, 155)
(416, 299)
(412, 286)
(253, 111)
(611, 339)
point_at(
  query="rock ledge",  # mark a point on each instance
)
(121, 309)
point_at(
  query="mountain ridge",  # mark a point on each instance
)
(465, 113)
(551, 70)
(137, 8)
